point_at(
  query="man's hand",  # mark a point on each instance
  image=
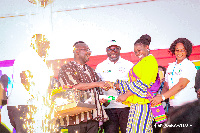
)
(104, 85)
(110, 83)
(26, 77)
(103, 100)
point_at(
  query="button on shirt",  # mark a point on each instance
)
(29, 60)
(110, 71)
(185, 69)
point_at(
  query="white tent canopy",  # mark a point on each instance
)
(125, 21)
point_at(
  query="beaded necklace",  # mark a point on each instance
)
(174, 72)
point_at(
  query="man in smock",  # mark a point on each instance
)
(83, 78)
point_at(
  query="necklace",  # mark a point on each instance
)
(173, 72)
(173, 75)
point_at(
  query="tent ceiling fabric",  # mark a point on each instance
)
(96, 22)
(25, 7)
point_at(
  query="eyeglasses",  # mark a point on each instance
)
(113, 49)
(87, 50)
(182, 50)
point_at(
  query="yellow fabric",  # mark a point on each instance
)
(146, 70)
(135, 99)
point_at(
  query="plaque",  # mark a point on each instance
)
(73, 109)
(71, 102)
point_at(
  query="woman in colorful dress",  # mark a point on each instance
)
(180, 76)
(141, 77)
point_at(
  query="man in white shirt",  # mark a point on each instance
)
(31, 78)
(111, 69)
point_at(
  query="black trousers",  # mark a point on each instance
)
(3, 129)
(118, 117)
(17, 117)
(90, 126)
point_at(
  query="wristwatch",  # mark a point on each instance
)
(163, 97)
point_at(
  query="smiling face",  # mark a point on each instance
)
(180, 52)
(83, 53)
(113, 53)
(141, 50)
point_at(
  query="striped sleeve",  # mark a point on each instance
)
(137, 87)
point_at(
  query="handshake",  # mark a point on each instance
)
(106, 85)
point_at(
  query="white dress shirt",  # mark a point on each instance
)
(185, 69)
(110, 71)
(29, 60)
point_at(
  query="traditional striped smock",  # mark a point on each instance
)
(73, 73)
(140, 115)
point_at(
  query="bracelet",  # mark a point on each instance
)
(163, 97)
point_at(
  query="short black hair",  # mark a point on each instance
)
(186, 43)
(144, 39)
(77, 43)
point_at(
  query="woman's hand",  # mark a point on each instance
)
(117, 86)
(104, 85)
(121, 98)
(157, 99)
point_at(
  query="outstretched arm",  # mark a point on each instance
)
(165, 88)
(174, 90)
(124, 96)
(86, 86)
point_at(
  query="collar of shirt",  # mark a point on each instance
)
(81, 66)
(184, 61)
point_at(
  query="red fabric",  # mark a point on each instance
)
(162, 56)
